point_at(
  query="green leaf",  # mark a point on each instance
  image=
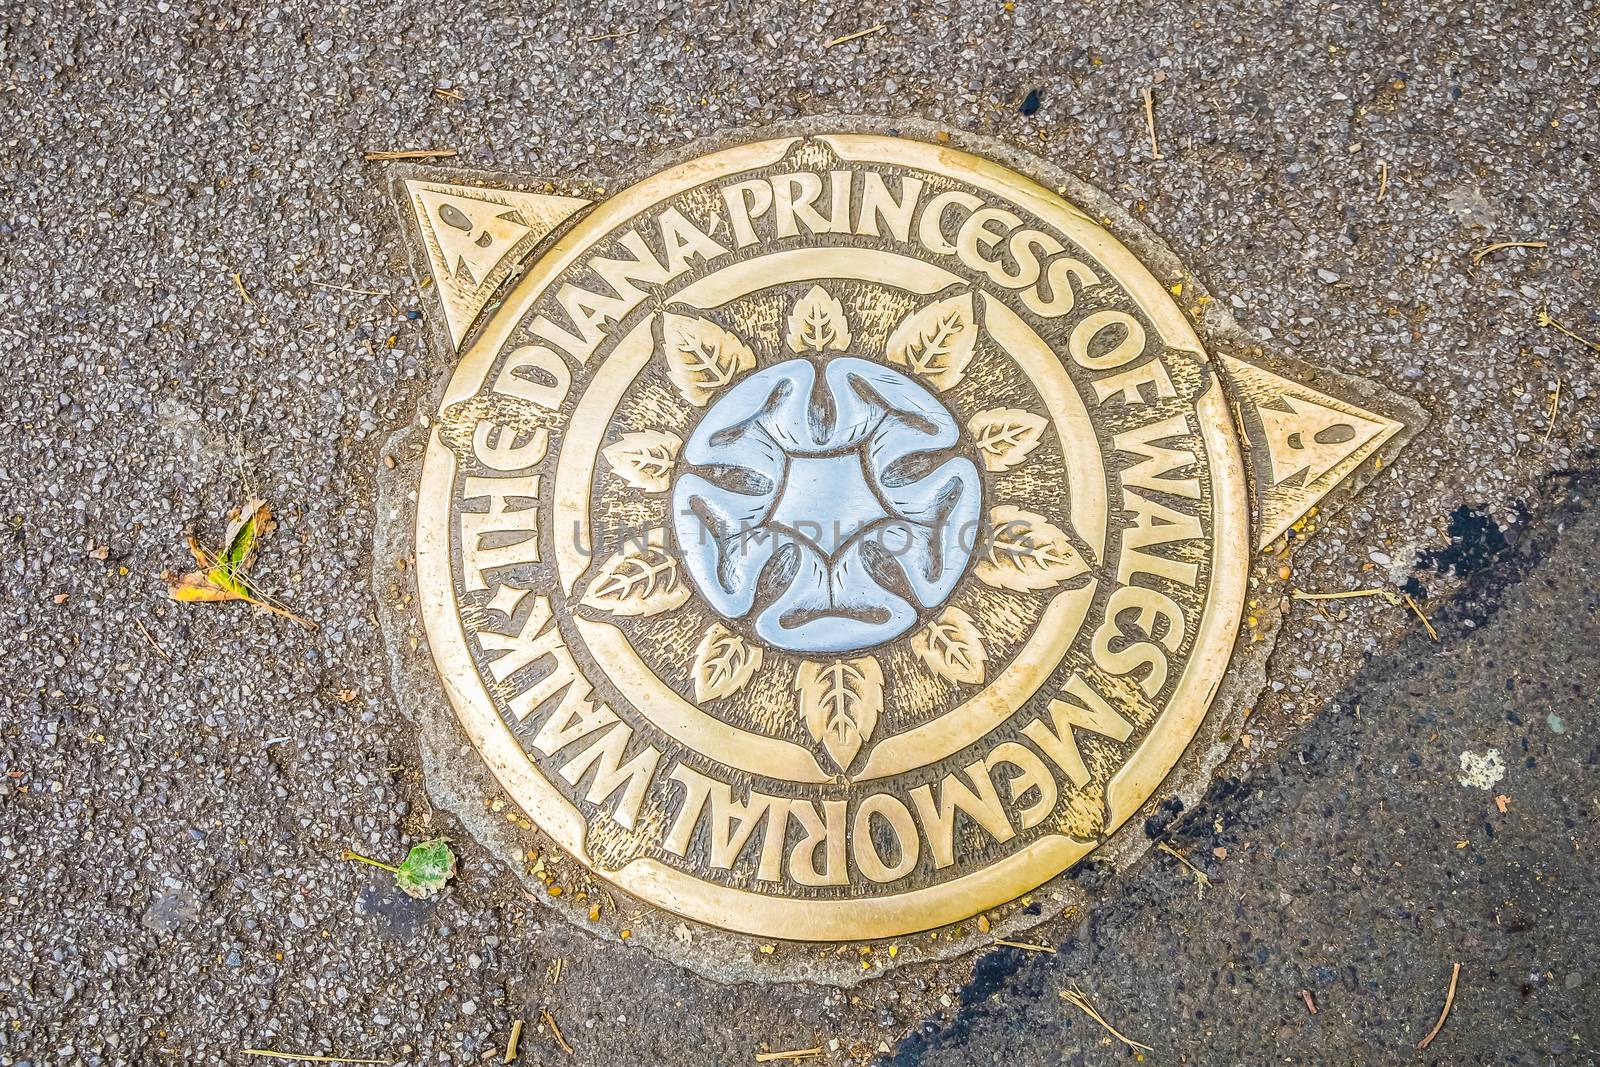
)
(427, 868)
(224, 579)
(251, 521)
(243, 530)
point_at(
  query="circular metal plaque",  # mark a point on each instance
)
(833, 537)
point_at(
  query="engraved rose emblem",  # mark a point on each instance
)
(830, 508)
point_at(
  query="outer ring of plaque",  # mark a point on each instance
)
(788, 918)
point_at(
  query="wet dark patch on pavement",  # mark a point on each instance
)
(989, 975)
(1495, 560)
(1356, 866)
(1165, 813)
(1475, 542)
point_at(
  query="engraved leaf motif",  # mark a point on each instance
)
(937, 341)
(840, 701)
(640, 579)
(1005, 436)
(701, 356)
(1026, 552)
(817, 322)
(952, 647)
(645, 458)
(723, 663)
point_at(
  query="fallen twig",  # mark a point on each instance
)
(1383, 181)
(410, 153)
(1548, 321)
(1150, 122)
(1311, 1005)
(1449, 999)
(148, 636)
(793, 1054)
(1026, 946)
(1080, 1000)
(1394, 600)
(613, 36)
(1479, 253)
(1349, 594)
(1550, 422)
(349, 289)
(238, 283)
(306, 1057)
(1417, 610)
(1202, 880)
(511, 1042)
(847, 38)
(550, 1021)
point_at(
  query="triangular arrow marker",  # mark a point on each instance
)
(474, 236)
(1304, 443)
(1311, 438)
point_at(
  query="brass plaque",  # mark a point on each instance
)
(835, 536)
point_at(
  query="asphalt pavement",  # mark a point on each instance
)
(204, 296)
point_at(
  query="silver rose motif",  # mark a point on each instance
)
(833, 512)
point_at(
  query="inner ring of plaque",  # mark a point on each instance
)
(939, 737)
